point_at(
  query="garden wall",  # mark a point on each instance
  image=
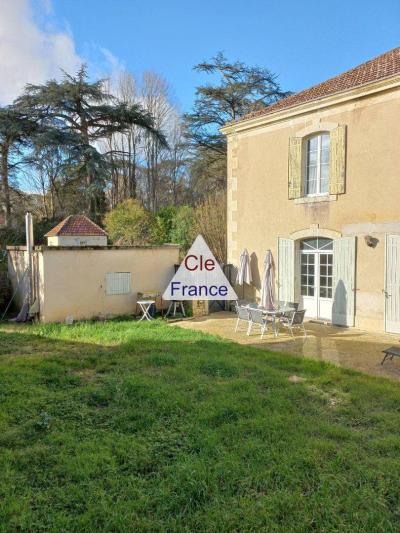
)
(94, 282)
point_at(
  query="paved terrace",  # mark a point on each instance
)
(347, 347)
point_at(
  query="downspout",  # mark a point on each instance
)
(29, 249)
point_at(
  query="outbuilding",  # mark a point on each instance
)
(77, 230)
(77, 275)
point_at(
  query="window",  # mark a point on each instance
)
(118, 283)
(325, 275)
(307, 274)
(317, 243)
(317, 165)
(316, 267)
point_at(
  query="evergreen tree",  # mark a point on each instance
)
(239, 90)
(16, 128)
(76, 114)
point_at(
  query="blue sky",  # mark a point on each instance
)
(304, 42)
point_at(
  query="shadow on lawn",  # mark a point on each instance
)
(169, 426)
(25, 345)
(166, 347)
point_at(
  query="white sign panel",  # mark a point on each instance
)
(199, 277)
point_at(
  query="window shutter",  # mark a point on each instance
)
(294, 170)
(344, 266)
(286, 269)
(337, 160)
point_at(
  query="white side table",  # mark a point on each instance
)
(145, 306)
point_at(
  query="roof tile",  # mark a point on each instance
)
(378, 68)
(76, 225)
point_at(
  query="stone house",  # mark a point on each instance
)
(315, 177)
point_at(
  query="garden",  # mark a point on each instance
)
(124, 426)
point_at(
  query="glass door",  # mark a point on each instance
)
(316, 277)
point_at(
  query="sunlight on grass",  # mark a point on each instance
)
(126, 426)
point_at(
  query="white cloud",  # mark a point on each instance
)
(34, 49)
(114, 65)
(30, 53)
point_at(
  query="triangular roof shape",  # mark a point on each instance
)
(199, 277)
(76, 225)
(384, 66)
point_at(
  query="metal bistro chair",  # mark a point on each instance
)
(258, 317)
(293, 305)
(242, 315)
(296, 320)
(287, 314)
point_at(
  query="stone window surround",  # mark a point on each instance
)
(313, 230)
(314, 129)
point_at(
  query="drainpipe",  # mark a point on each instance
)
(29, 249)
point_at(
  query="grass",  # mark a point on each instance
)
(120, 426)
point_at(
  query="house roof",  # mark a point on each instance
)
(378, 68)
(76, 225)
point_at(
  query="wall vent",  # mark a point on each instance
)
(118, 283)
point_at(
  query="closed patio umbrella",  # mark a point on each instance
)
(244, 272)
(268, 283)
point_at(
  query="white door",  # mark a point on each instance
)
(392, 284)
(344, 273)
(316, 277)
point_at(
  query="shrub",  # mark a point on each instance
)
(183, 231)
(164, 224)
(210, 217)
(130, 224)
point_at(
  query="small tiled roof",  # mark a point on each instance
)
(76, 225)
(378, 68)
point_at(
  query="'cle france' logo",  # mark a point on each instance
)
(199, 277)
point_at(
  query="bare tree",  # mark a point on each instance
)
(210, 221)
(125, 146)
(155, 98)
(45, 175)
(177, 159)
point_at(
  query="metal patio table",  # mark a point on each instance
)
(393, 351)
(276, 313)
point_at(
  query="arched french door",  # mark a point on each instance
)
(316, 277)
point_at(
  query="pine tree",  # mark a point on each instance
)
(238, 89)
(75, 114)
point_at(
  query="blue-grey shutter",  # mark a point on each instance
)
(295, 167)
(392, 284)
(337, 166)
(286, 269)
(344, 266)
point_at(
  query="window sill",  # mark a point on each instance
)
(316, 199)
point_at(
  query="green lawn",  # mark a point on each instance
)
(121, 426)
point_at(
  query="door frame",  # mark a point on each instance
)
(317, 298)
(295, 237)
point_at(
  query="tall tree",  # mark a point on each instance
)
(125, 147)
(83, 113)
(16, 128)
(155, 97)
(238, 90)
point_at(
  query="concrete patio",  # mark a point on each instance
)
(347, 347)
